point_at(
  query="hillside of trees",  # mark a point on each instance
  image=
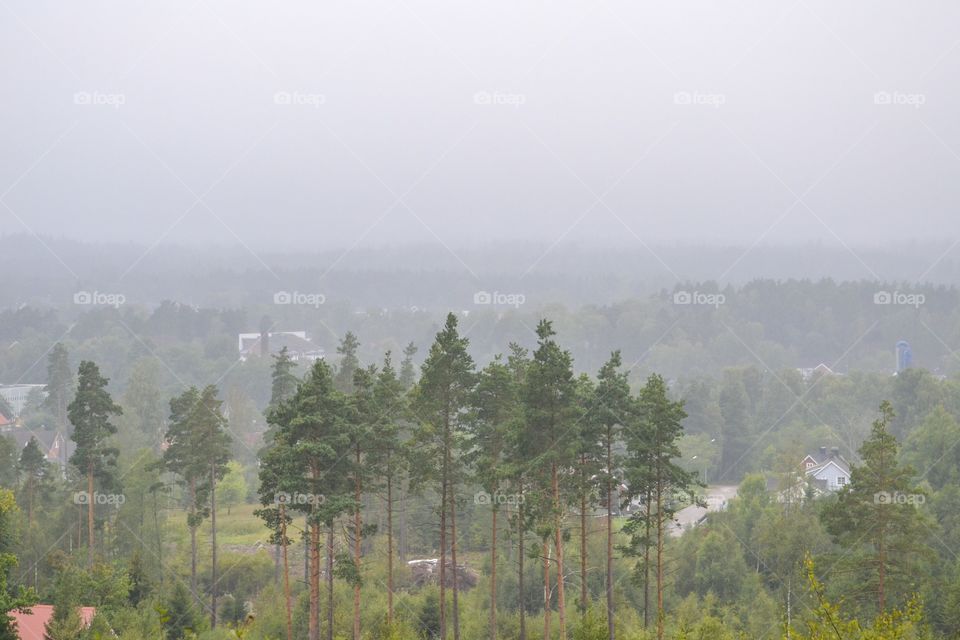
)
(492, 474)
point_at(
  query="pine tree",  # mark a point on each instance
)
(349, 362)
(90, 413)
(735, 410)
(408, 374)
(652, 447)
(589, 466)
(198, 450)
(283, 379)
(60, 384)
(279, 477)
(180, 615)
(550, 396)
(497, 413)
(33, 470)
(143, 401)
(365, 413)
(283, 386)
(307, 469)
(516, 471)
(440, 401)
(182, 459)
(875, 517)
(386, 453)
(210, 438)
(611, 409)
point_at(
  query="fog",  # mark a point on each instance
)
(316, 126)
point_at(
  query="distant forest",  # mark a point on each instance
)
(764, 323)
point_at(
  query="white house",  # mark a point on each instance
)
(829, 470)
(298, 345)
(811, 373)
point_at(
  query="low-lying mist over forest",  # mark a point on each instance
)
(419, 320)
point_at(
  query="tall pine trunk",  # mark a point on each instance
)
(558, 544)
(453, 561)
(286, 570)
(390, 549)
(90, 500)
(193, 538)
(357, 525)
(213, 548)
(329, 580)
(659, 553)
(583, 550)
(609, 585)
(402, 534)
(646, 559)
(881, 595)
(314, 623)
(493, 573)
(443, 553)
(30, 489)
(546, 588)
(521, 548)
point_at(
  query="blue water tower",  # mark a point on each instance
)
(904, 356)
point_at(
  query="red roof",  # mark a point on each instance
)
(30, 626)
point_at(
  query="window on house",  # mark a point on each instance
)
(841, 480)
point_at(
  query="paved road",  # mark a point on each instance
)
(717, 497)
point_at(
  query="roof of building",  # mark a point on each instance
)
(295, 342)
(55, 446)
(839, 462)
(31, 626)
(808, 373)
(823, 458)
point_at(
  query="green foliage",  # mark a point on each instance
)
(65, 623)
(591, 625)
(179, 616)
(232, 489)
(428, 618)
(502, 429)
(717, 570)
(21, 598)
(830, 621)
(876, 519)
(8, 461)
(349, 362)
(90, 413)
(198, 446)
(60, 384)
(283, 379)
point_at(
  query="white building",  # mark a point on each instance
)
(16, 395)
(829, 470)
(299, 346)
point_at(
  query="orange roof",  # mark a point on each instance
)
(30, 626)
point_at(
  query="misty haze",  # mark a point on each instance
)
(540, 321)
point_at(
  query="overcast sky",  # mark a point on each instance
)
(313, 124)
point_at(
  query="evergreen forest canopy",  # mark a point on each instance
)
(494, 473)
